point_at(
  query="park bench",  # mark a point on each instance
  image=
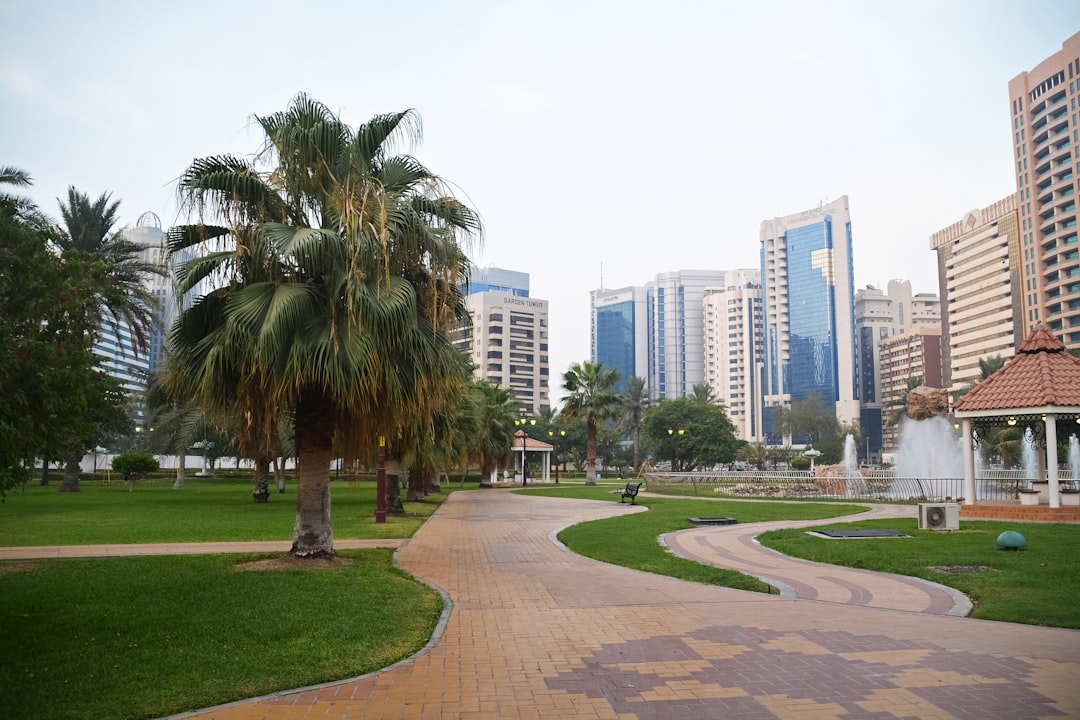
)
(630, 491)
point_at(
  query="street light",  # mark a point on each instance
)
(522, 422)
(552, 434)
(676, 433)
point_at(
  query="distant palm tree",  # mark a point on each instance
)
(88, 231)
(703, 392)
(755, 454)
(495, 411)
(591, 398)
(636, 402)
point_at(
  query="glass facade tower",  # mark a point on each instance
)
(808, 299)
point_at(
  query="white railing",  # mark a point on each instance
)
(868, 485)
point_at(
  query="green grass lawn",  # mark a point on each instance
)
(631, 540)
(205, 510)
(1035, 586)
(144, 637)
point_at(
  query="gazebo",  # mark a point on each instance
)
(525, 444)
(1038, 389)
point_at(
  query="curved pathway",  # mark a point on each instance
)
(734, 547)
(538, 632)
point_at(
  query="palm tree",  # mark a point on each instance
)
(340, 260)
(591, 398)
(636, 402)
(123, 297)
(703, 392)
(755, 454)
(494, 410)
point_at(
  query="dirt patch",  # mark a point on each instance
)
(962, 569)
(10, 568)
(291, 562)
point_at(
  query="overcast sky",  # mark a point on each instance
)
(623, 138)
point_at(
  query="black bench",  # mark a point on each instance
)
(630, 491)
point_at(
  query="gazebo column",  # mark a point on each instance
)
(969, 462)
(1051, 460)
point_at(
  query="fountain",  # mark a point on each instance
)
(856, 483)
(929, 448)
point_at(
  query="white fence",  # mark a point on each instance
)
(868, 485)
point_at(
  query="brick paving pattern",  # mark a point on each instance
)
(538, 632)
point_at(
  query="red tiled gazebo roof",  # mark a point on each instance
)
(1042, 377)
(530, 443)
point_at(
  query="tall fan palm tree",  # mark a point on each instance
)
(123, 298)
(339, 262)
(592, 398)
(495, 410)
(636, 403)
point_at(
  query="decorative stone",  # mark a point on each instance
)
(925, 402)
(1011, 540)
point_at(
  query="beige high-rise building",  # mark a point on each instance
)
(905, 357)
(879, 315)
(1046, 140)
(734, 349)
(978, 274)
(508, 343)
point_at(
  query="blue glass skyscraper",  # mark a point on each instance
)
(808, 298)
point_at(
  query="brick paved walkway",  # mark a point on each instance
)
(733, 547)
(537, 632)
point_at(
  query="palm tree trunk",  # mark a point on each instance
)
(279, 473)
(181, 466)
(72, 469)
(590, 453)
(312, 534)
(261, 493)
(394, 506)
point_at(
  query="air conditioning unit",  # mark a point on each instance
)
(939, 516)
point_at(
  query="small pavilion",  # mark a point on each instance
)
(524, 444)
(1038, 389)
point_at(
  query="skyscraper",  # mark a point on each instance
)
(1046, 138)
(148, 235)
(620, 332)
(676, 321)
(508, 338)
(879, 315)
(734, 349)
(808, 299)
(979, 278)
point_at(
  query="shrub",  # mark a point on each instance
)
(134, 465)
(800, 462)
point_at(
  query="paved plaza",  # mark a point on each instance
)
(535, 631)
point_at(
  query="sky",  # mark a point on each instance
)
(601, 142)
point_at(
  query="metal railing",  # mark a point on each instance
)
(879, 485)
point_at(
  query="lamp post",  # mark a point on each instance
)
(552, 434)
(675, 433)
(380, 483)
(522, 422)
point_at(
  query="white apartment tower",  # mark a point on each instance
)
(508, 342)
(734, 349)
(676, 321)
(979, 275)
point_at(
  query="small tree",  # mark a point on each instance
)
(135, 465)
